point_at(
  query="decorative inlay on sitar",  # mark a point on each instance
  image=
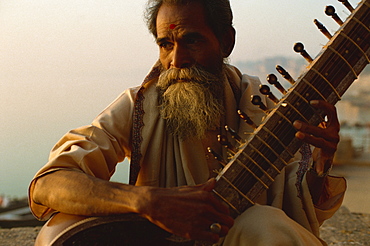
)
(257, 162)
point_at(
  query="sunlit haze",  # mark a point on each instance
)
(62, 62)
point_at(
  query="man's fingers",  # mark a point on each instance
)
(329, 110)
(327, 134)
(194, 209)
(317, 141)
(206, 236)
(219, 214)
(219, 206)
(209, 185)
(203, 232)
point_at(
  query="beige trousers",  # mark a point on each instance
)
(263, 225)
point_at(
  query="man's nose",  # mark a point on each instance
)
(181, 57)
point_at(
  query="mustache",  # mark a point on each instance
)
(194, 74)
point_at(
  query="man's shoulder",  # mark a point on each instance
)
(245, 79)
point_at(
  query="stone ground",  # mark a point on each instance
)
(344, 228)
(21, 236)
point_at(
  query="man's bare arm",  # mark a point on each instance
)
(75, 192)
(185, 211)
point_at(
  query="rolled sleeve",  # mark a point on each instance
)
(94, 149)
(335, 189)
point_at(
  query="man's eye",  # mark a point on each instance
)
(166, 45)
(192, 40)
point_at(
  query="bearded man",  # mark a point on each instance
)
(166, 125)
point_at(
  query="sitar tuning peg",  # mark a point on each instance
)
(246, 119)
(265, 90)
(330, 11)
(272, 79)
(285, 74)
(217, 156)
(222, 139)
(322, 28)
(233, 134)
(257, 100)
(347, 4)
(299, 48)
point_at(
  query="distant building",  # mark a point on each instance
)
(355, 105)
(4, 202)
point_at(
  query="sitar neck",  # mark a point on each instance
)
(254, 167)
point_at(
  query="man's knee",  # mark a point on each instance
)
(266, 225)
(257, 220)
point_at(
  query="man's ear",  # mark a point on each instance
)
(228, 42)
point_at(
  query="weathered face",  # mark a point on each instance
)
(185, 39)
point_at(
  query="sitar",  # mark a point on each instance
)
(257, 161)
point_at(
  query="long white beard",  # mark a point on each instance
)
(191, 101)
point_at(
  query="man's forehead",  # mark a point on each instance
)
(178, 18)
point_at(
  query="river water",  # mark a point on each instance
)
(360, 136)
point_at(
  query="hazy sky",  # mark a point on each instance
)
(62, 62)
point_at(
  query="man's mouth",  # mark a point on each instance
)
(183, 80)
(180, 80)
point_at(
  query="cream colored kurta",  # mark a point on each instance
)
(167, 161)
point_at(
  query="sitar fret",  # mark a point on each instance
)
(296, 111)
(312, 89)
(238, 176)
(333, 89)
(257, 165)
(301, 97)
(272, 150)
(354, 43)
(227, 202)
(359, 22)
(282, 129)
(264, 157)
(282, 116)
(278, 143)
(307, 94)
(344, 59)
(243, 183)
(357, 32)
(316, 81)
(239, 191)
(348, 50)
(253, 173)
